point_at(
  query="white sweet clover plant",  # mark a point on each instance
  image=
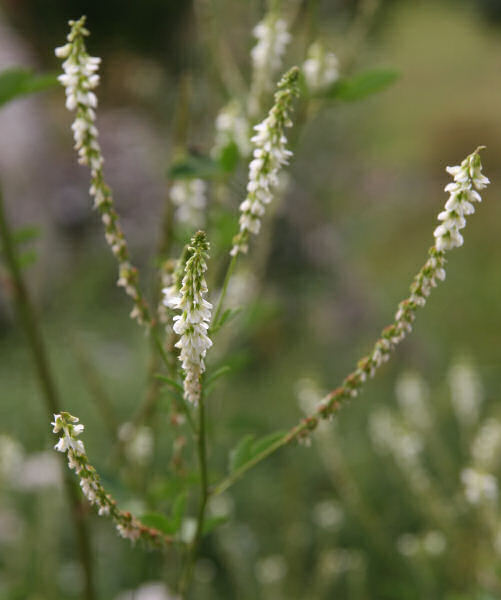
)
(186, 308)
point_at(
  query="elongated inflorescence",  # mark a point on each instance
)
(269, 155)
(127, 525)
(467, 176)
(192, 324)
(468, 181)
(80, 78)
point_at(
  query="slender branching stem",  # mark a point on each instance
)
(391, 336)
(224, 289)
(29, 322)
(204, 496)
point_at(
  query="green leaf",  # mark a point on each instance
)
(362, 84)
(18, 81)
(193, 166)
(27, 259)
(217, 374)
(248, 448)
(242, 452)
(226, 317)
(212, 522)
(178, 510)
(229, 157)
(158, 521)
(174, 384)
(265, 442)
(26, 234)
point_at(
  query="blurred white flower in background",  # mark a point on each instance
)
(486, 446)
(11, 457)
(466, 392)
(189, 196)
(412, 393)
(153, 590)
(271, 569)
(479, 487)
(328, 514)
(321, 68)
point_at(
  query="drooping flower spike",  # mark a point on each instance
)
(127, 525)
(80, 78)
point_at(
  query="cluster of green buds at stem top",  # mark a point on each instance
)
(79, 79)
(468, 175)
(270, 154)
(192, 324)
(127, 525)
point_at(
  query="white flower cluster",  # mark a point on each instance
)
(486, 446)
(79, 79)
(272, 39)
(269, 155)
(232, 127)
(127, 526)
(468, 178)
(466, 392)
(193, 323)
(321, 68)
(69, 442)
(479, 486)
(189, 198)
(390, 436)
(432, 543)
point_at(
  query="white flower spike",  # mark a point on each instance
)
(193, 323)
(468, 180)
(270, 154)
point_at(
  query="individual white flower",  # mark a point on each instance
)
(193, 323)
(270, 154)
(479, 486)
(468, 178)
(321, 68)
(189, 196)
(232, 127)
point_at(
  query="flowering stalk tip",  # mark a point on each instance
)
(270, 154)
(79, 79)
(468, 181)
(127, 525)
(192, 324)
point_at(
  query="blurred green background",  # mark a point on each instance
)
(349, 517)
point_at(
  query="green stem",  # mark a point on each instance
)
(236, 475)
(29, 322)
(204, 496)
(220, 303)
